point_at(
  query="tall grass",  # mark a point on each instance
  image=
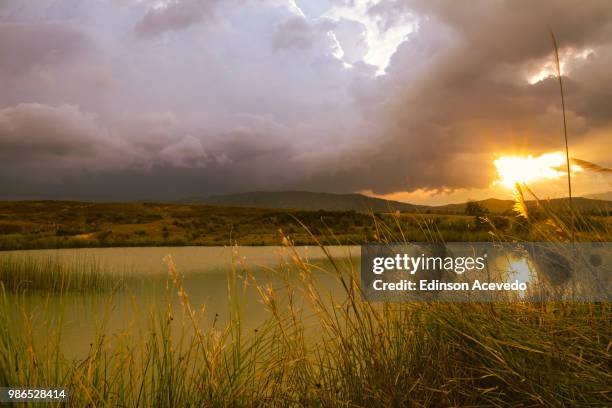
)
(319, 350)
(52, 275)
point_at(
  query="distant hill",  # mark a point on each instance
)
(584, 204)
(607, 196)
(305, 200)
(497, 206)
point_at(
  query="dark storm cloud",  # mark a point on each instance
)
(187, 152)
(35, 131)
(177, 15)
(254, 95)
(60, 152)
(24, 46)
(457, 91)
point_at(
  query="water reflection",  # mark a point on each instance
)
(520, 269)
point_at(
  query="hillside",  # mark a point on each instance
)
(309, 201)
(501, 206)
(607, 196)
(69, 224)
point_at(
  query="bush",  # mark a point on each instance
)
(476, 209)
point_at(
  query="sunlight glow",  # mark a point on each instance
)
(528, 169)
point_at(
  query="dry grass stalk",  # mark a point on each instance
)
(520, 206)
(567, 155)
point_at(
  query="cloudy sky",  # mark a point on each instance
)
(414, 100)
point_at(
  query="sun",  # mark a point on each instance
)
(513, 169)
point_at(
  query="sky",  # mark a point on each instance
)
(410, 100)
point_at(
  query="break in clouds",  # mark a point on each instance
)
(129, 99)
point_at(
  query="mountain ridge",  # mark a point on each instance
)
(607, 196)
(313, 201)
(305, 200)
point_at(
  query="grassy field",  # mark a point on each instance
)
(57, 224)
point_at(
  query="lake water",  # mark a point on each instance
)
(149, 288)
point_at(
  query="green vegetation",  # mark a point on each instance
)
(56, 224)
(476, 209)
(52, 275)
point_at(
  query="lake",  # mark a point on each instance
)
(145, 289)
(149, 289)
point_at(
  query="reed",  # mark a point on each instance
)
(52, 275)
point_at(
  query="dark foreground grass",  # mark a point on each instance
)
(316, 351)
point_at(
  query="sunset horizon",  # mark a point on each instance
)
(306, 203)
(159, 100)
